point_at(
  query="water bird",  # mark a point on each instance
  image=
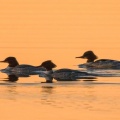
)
(15, 67)
(63, 74)
(98, 64)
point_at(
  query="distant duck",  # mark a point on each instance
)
(13, 66)
(61, 74)
(98, 64)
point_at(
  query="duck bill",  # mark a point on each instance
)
(3, 61)
(80, 57)
(55, 66)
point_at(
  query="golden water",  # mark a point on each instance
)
(28, 98)
(37, 30)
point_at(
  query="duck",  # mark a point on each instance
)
(64, 74)
(15, 67)
(92, 63)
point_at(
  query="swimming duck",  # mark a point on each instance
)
(14, 67)
(98, 64)
(64, 74)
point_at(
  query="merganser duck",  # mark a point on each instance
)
(98, 64)
(61, 74)
(14, 67)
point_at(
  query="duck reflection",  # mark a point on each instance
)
(47, 89)
(48, 78)
(14, 77)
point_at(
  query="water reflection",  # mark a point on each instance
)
(63, 96)
(12, 78)
(73, 95)
(47, 94)
(15, 77)
(49, 78)
(11, 92)
(47, 89)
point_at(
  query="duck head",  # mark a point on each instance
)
(11, 61)
(89, 55)
(48, 65)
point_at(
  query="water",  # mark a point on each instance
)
(28, 98)
(37, 30)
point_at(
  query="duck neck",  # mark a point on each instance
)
(90, 60)
(13, 64)
(49, 69)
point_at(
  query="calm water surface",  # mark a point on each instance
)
(59, 30)
(84, 99)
